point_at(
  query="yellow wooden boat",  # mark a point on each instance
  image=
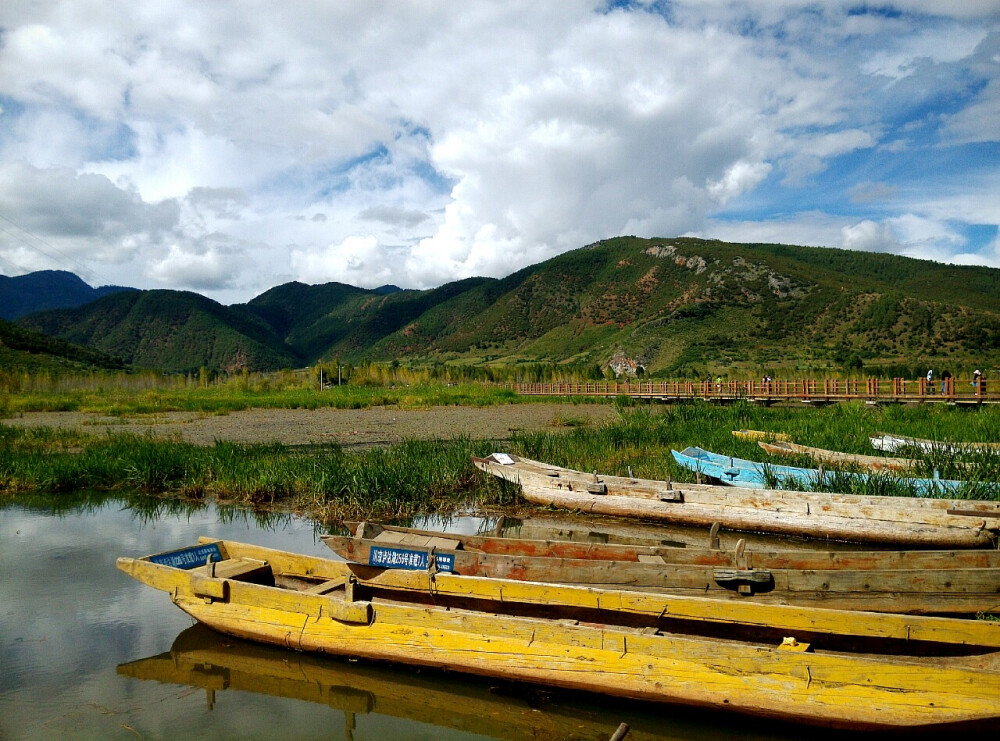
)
(825, 667)
(902, 521)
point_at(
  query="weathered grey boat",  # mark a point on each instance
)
(920, 522)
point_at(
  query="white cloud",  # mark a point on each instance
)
(740, 177)
(358, 260)
(869, 236)
(427, 142)
(214, 266)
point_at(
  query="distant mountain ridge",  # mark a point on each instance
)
(47, 289)
(674, 306)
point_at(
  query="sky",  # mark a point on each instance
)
(228, 147)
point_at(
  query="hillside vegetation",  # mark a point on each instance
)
(675, 306)
(23, 350)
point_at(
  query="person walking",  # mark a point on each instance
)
(930, 381)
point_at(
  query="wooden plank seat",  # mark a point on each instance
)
(418, 541)
(249, 570)
(325, 587)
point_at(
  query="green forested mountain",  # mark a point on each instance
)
(677, 306)
(168, 330)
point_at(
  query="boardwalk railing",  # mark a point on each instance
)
(875, 390)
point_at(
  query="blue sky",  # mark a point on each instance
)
(229, 147)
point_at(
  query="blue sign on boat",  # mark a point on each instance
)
(189, 558)
(399, 558)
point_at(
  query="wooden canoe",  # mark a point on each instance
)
(899, 521)
(917, 582)
(894, 443)
(761, 435)
(833, 457)
(209, 661)
(826, 667)
(735, 471)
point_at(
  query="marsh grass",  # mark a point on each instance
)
(423, 476)
(124, 400)
(412, 477)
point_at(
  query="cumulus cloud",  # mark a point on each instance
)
(358, 260)
(418, 143)
(213, 265)
(869, 236)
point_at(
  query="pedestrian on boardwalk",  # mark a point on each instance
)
(930, 381)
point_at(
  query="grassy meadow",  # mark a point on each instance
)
(150, 393)
(422, 476)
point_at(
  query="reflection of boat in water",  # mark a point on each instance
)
(202, 658)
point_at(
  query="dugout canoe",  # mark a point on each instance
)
(761, 435)
(735, 471)
(898, 521)
(825, 667)
(894, 443)
(209, 661)
(915, 582)
(833, 457)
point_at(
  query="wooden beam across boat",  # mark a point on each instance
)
(913, 672)
(922, 522)
(919, 582)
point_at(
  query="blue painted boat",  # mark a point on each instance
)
(740, 472)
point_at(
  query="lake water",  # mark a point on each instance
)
(87, 652)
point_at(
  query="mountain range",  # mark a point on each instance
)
(677, 306)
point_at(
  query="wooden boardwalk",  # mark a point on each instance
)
(809, 391)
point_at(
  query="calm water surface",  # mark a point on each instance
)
(87, 652)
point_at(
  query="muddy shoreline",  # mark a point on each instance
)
(351, 428)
